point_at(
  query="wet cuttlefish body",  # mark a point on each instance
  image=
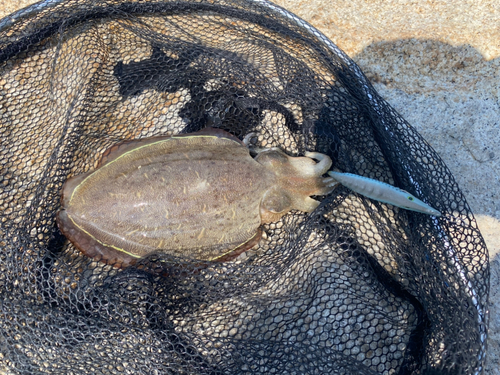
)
(200, 196)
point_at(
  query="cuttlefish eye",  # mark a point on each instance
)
(272, 157)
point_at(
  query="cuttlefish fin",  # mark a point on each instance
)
(382, 192)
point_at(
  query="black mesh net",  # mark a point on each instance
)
(355, 287)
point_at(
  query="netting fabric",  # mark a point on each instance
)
(355, 287)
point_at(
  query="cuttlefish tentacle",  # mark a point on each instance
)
(324, 162)
(246, 140)
(326, 186)
(382, 192)
(306, 204)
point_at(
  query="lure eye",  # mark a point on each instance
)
(410, 199)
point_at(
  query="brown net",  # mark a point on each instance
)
(356, 287)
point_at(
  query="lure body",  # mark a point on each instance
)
(382, 192)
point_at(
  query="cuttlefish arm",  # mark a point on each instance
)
(382, 192)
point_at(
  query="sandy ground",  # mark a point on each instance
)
(438, 64)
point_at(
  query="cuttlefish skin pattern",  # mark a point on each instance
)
(199, 196)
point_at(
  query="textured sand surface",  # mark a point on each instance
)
(438, 64)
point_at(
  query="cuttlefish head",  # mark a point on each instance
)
(296, 179)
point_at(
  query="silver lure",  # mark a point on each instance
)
(382, 192)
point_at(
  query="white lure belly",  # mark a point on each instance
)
(382, 192)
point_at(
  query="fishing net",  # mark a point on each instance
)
(355, 287)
